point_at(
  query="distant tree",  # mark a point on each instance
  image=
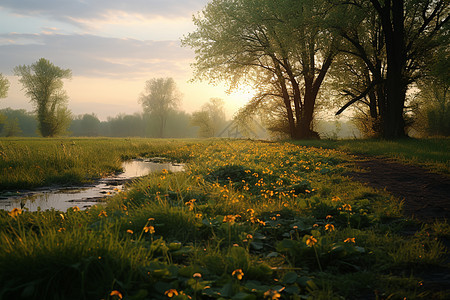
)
(12, 128)
(26, 121)
(85, 125)
(4, 86)
(42, 82)
(210, 119)
(126, 125)
(432, 103)
(159, 98)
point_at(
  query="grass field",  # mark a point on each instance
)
(29, 163)
(431, 153)
(246, 220)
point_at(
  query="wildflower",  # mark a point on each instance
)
(329, 217)
(238, 274)
(349, 240)
(75, 208)
(311, 241)
(329, 227)
(229, 219)
(347, 207)
(164, 171)
(116, 293)
(197, 275)
(61, 229)
(190, 203)
(151, 219)
(102, 214)
(149, 229)
(130, 231)
(15, 212)
(335, 199)
(171, 293)
(272, 294)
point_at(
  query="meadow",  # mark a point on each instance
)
(246, 220)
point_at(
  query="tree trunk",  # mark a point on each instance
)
(392, 18)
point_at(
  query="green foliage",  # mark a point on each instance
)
(4, 86)
(42, 82)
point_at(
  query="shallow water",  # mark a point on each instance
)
(86, 196)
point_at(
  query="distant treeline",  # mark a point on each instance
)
(23, 123)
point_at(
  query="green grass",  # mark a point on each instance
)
(30, 163)
(237, 224)
(433, 153)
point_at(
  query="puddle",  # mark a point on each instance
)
(86, 196)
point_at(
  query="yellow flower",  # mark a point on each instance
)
(229, 218)
(238, 274)
(102, 214)
(272, 294)
(329, 227)
(75, 208)
(311, 241)
(15, 212)
(130, 231)
(349, 240)
(197, 275)
(335, 199)
(347, 207)
(149, 229)
(190, 203)
(116, 293)
(171, 293)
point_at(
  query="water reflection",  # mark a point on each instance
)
(84, 197)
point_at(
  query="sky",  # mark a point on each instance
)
(112, 47)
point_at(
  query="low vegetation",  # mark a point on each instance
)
(246, 220)
(432, 153)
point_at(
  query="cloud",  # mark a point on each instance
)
(79, 12)
(95, 56)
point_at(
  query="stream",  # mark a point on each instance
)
(84, 197)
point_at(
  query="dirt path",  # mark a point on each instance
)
(426, 195)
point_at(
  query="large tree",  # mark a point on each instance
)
(159, 98)
(43, 83)
(4, 86)
(278, 46)
(410, 29)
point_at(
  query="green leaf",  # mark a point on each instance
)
(243, 296)
(289, 278)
